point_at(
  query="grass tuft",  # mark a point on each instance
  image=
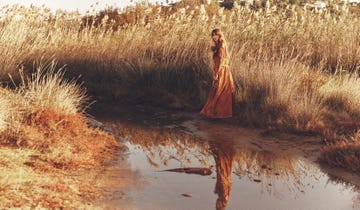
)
(344, 154)
(46, 140)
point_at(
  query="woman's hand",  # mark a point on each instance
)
(216, 77)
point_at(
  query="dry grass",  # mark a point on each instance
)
(344, 154)
(25, 184)
(67, 139)
(49, 89)
(54, 161)
(46, 146)
(4, 111)
(24, 187)
(294, 68)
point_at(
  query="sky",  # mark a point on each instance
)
(70, 5)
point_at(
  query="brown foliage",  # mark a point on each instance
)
(344, 154)
(66, 140)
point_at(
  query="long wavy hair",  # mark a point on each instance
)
(221, 42)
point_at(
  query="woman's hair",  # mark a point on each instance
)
(217, 31)
(221, 42)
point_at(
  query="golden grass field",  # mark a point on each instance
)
(295, 69)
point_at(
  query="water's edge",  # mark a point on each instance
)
(251, 168)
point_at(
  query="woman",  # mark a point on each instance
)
(219, 103)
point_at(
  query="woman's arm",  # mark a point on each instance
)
(223, 59)
(222, 54)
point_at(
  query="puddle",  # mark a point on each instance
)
(249, 170)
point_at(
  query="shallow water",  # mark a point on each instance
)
(250, 170)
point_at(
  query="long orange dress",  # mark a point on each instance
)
(219, 102)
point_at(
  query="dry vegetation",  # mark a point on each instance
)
(345, 154)
(47, 149)
(295, 69)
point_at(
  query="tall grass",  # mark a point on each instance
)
(48, 89)
(292, 66)
(45, 89)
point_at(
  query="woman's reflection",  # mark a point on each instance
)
(224, 154)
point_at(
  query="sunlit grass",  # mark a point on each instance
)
(295, 69)
(290, 64)
(45, 139)
(26, 182)
(48, 89)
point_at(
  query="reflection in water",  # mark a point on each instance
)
(166, 144)
(230, 157)
(224, 154)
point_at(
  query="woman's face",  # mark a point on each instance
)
(215, 37)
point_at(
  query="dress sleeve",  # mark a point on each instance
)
(222, 54)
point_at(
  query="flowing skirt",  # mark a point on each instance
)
(219, 102)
